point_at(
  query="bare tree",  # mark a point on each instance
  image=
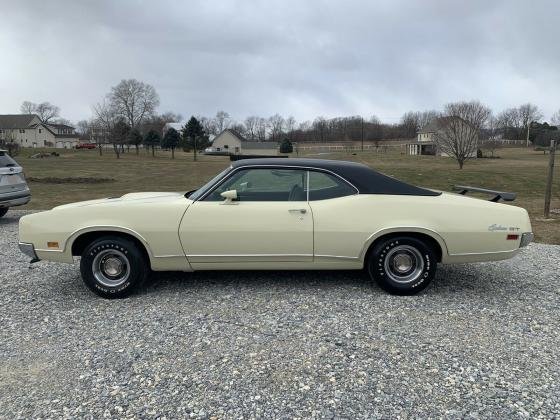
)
(410, 123)
(106, 116)
(251, 124)
(508, 122)
(556, 118)
(262, 126)
(240, 128)
(290, 125)
(529, 113)
(223, 121)
(491, 142)
(208, 124)
(134, 101)
(458, 134)
(276, 123)
(28, 107)
(83, 127)
(320, 126)
(47, 111)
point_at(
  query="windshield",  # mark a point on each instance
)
(6, 161)
(198, 193)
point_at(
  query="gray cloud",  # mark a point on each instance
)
(301, 58)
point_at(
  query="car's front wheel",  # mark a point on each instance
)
(402, 265)
(3, 211)
(113, 267)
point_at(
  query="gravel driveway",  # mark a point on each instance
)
(482, 341)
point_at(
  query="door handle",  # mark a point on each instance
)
(301, 211)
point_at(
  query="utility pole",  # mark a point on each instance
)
(194, 148)
(362, 134)
(528, 129)
(548, 192)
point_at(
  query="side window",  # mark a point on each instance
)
(323, 186)
(264, 184)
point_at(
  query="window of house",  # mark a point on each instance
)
(226, 146)
(21, 130)
(40, 131)
(323, 186)
(264, 184)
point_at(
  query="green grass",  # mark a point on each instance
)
(518, 169)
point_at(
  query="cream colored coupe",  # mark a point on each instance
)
(279, 214)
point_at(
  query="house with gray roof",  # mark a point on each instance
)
(231, 142)
(27, 130)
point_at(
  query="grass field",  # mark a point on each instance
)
(519, 170)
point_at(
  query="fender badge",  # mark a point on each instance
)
(495, 227)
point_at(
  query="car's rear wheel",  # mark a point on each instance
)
(113, 267)
(3, 211)
(402, 265)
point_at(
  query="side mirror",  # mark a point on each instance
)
(229, 196)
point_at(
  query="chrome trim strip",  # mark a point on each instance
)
(229, 174)
(169, 256)
(49, 250)
(247, 255)
(345, 257)
(483, 253)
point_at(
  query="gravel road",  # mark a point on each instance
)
(482, 341)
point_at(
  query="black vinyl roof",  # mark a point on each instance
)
(365, 179)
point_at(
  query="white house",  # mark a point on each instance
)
(425, 143)
(27, 130)
(177, 126)
(230, 141)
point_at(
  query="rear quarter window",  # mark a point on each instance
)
(323, 186)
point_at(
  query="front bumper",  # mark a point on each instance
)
(29, 250)
(15, 200)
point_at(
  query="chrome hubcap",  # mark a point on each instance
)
(404, 264)
(111, 267)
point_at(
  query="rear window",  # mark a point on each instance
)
(6, 161)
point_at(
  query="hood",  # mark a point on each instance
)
(146, 197)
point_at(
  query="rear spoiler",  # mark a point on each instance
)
(498, 195)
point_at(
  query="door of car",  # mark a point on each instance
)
(270, 220)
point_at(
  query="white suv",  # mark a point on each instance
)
(13, 188)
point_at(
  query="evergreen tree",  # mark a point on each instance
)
(171, 140)
(152, 139)
(119, 135)
(194, 137)
(286, 146)
(135, 138)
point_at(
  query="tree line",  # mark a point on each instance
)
(127, 116)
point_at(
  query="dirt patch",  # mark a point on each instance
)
(70, 180)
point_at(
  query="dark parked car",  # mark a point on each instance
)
(13, 188)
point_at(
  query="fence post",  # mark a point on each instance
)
(548, 192)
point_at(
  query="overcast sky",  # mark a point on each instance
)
(300, 58)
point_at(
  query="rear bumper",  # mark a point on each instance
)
(29, 250)
(16, 199)
(526, 239)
